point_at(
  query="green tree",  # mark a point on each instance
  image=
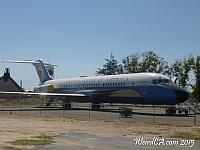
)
(187, 67)
(176, 70)
(145, 62)
(151, 62)
(196, 87)
(111, 67)
(181, 69)
(130, 64)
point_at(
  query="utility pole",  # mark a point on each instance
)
(21, 83)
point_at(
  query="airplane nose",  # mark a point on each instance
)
(181, 94)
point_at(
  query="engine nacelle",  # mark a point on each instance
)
(49, 88)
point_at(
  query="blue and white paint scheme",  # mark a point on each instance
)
(137, 88)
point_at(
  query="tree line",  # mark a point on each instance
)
(186, 70)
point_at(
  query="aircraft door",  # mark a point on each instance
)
(143, 87)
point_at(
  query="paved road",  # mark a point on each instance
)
(141, 114)
(85, 141)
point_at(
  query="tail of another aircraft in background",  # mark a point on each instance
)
(43, 73)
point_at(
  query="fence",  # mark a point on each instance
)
(83, 111)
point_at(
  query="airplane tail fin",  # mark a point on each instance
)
(40, 67)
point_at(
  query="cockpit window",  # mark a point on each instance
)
(165, 81)
(154, 82)
(160, 81)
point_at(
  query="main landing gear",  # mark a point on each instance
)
(95, 106)
(173, 110)
(67, 105)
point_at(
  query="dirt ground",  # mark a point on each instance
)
(24, 127)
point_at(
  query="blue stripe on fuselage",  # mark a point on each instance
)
(151, 95)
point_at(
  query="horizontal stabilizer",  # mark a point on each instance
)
(27, 62)
(45, 71)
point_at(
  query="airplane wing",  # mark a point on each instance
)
(42, 94)
(82, 93)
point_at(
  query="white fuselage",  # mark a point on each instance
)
(109, 81)
(138, 88)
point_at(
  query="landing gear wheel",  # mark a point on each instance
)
(186, 111)
(171, 111)
(96, 106)
(67, 106)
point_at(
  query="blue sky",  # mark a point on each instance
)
(78, 35)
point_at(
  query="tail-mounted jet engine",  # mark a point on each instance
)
(45, 89)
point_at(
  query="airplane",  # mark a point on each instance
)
(136, 88)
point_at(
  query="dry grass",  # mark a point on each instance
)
(186, 136)
(39, 140)
(28, 130)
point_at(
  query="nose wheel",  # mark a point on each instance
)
(174, 110)
(170, 111)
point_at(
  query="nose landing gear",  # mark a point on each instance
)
(173, 110)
